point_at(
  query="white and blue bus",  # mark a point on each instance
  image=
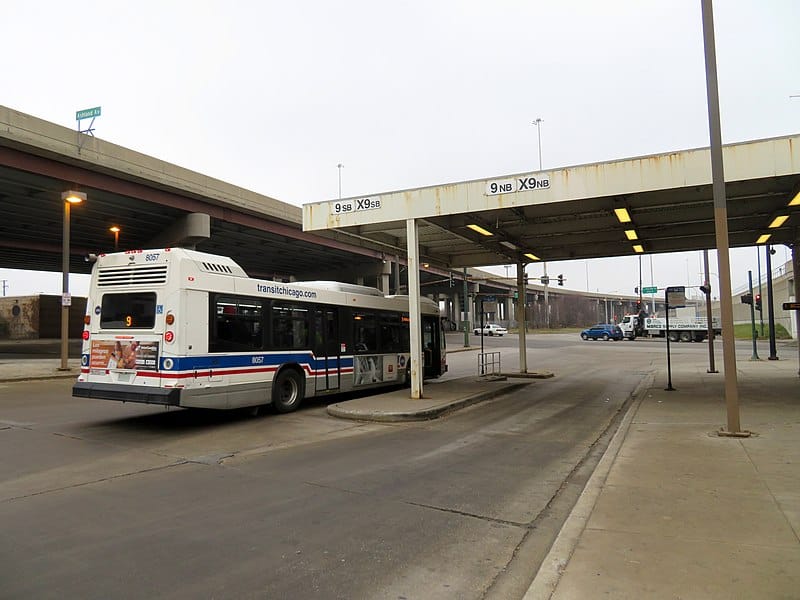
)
(183, 328)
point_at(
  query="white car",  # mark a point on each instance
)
(490, 329)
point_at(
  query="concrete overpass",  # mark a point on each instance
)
(145, 197)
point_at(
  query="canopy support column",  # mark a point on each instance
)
(521, 323)
(415, 324)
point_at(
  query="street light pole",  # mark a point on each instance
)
(339, 166)
(538, 122)
(545, 279)
(68, 198)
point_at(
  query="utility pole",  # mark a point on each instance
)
(340, 166)
(5, 286)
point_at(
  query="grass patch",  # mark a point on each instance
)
(744, 331)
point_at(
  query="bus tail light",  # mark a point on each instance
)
(169, 336)
(85, 334)
(170, 318)
(87, 319)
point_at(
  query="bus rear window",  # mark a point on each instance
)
(135, 310)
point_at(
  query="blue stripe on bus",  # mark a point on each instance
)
(192, 363)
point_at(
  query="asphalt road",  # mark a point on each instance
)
(100, 499)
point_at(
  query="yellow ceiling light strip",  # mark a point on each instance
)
(638, 248)
(622, 215)
(762, 239)
(778, 221)
(631, 234)
(531, 256)
(479, 229)
(796, 200)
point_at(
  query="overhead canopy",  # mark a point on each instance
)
(571, 213)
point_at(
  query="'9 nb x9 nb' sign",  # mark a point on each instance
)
(518, 184)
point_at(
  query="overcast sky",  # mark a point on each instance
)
(272, 96)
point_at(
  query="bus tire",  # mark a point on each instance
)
(287, 391)
(686, 336)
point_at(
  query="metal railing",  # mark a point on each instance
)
(489, 363)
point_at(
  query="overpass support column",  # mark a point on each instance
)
(521, 292)
(415, 323)
(386, 271)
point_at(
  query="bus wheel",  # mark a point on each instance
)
(287, 391)
(686, 336)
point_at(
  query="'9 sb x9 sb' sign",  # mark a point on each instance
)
(355, 205)
(518, 184)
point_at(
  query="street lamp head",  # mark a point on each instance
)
(114, 229)
(73, 197)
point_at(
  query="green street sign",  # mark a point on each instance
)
(87, 113)
(649, 290)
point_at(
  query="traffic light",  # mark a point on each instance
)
(758, 302)
(747, 298)
(560, 280)
(525, 279)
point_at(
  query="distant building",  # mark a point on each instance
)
(38, 317)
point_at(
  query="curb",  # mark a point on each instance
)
(38, 377)
(425, 414)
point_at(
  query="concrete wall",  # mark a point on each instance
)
(38, 317)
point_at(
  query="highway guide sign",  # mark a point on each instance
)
(649, 290)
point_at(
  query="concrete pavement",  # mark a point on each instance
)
(673, 510)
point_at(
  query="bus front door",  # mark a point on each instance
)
(326, 349)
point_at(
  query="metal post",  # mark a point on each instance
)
(640, 282)
(754, 356)
(721, 224)
(339, 166)
(761, 312)
(773, 354)
(709, 316)
(65, 290)
(796, 277)
(521, 322)
(669, 387)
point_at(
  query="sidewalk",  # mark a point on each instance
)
(675, 511)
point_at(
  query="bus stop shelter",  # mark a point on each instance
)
(649, 204)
